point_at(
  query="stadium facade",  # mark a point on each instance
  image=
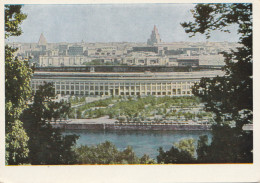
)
(122, 83)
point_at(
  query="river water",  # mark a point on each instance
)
(143, 142)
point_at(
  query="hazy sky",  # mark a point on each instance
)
(110, 23)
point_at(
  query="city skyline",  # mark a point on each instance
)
(116, 23)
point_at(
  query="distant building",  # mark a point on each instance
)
(173, 52)
(102, 51)
(42, 41)
(188, 61)
(146, 49)
(144, 58)
(45, 61)
(63, 49)
(75, 50)
(212, 60)
(155, 37)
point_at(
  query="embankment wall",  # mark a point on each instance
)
(130, 127)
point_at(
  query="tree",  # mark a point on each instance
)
(47, 145)
(187, 145)
(13, 19)
(107, 153)
(202, 149)
(230, 97)
(104, 153)
(17, 90)
(128, 156)
(174, 156)
(145, 159)
(181, 152)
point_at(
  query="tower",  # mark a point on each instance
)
(155, 37)
(42, 40)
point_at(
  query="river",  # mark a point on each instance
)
(143, 142)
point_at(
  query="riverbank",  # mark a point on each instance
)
(111, 124)
(104, 123)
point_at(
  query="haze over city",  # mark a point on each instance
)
(110, 23)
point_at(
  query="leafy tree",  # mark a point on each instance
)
(230, 97)
(145, 159)
(128, 156)
(47, 145)
(202, 149)
(17, 90)
(13, 18)
(174, 156)
(181, 152)
(107, 153)
(187, 145)
(226, 147)
(104, 153)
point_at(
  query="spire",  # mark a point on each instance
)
(155, 37)
(42, 40)
(155, 28)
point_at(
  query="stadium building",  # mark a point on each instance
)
(122, 83)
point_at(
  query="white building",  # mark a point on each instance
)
(122, 84)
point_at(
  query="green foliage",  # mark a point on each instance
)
(128, 156)
(174, 156)
(230, 97)
(187, 145)
(17, 90)
(145, 159)
(139, 107)
(211, 17)
(181, 152)
(46, 144)
(228, 145)
(13, 18)
(77, 100)
(17, 84)
(16, 143)
(202, 149)
(107, 153)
